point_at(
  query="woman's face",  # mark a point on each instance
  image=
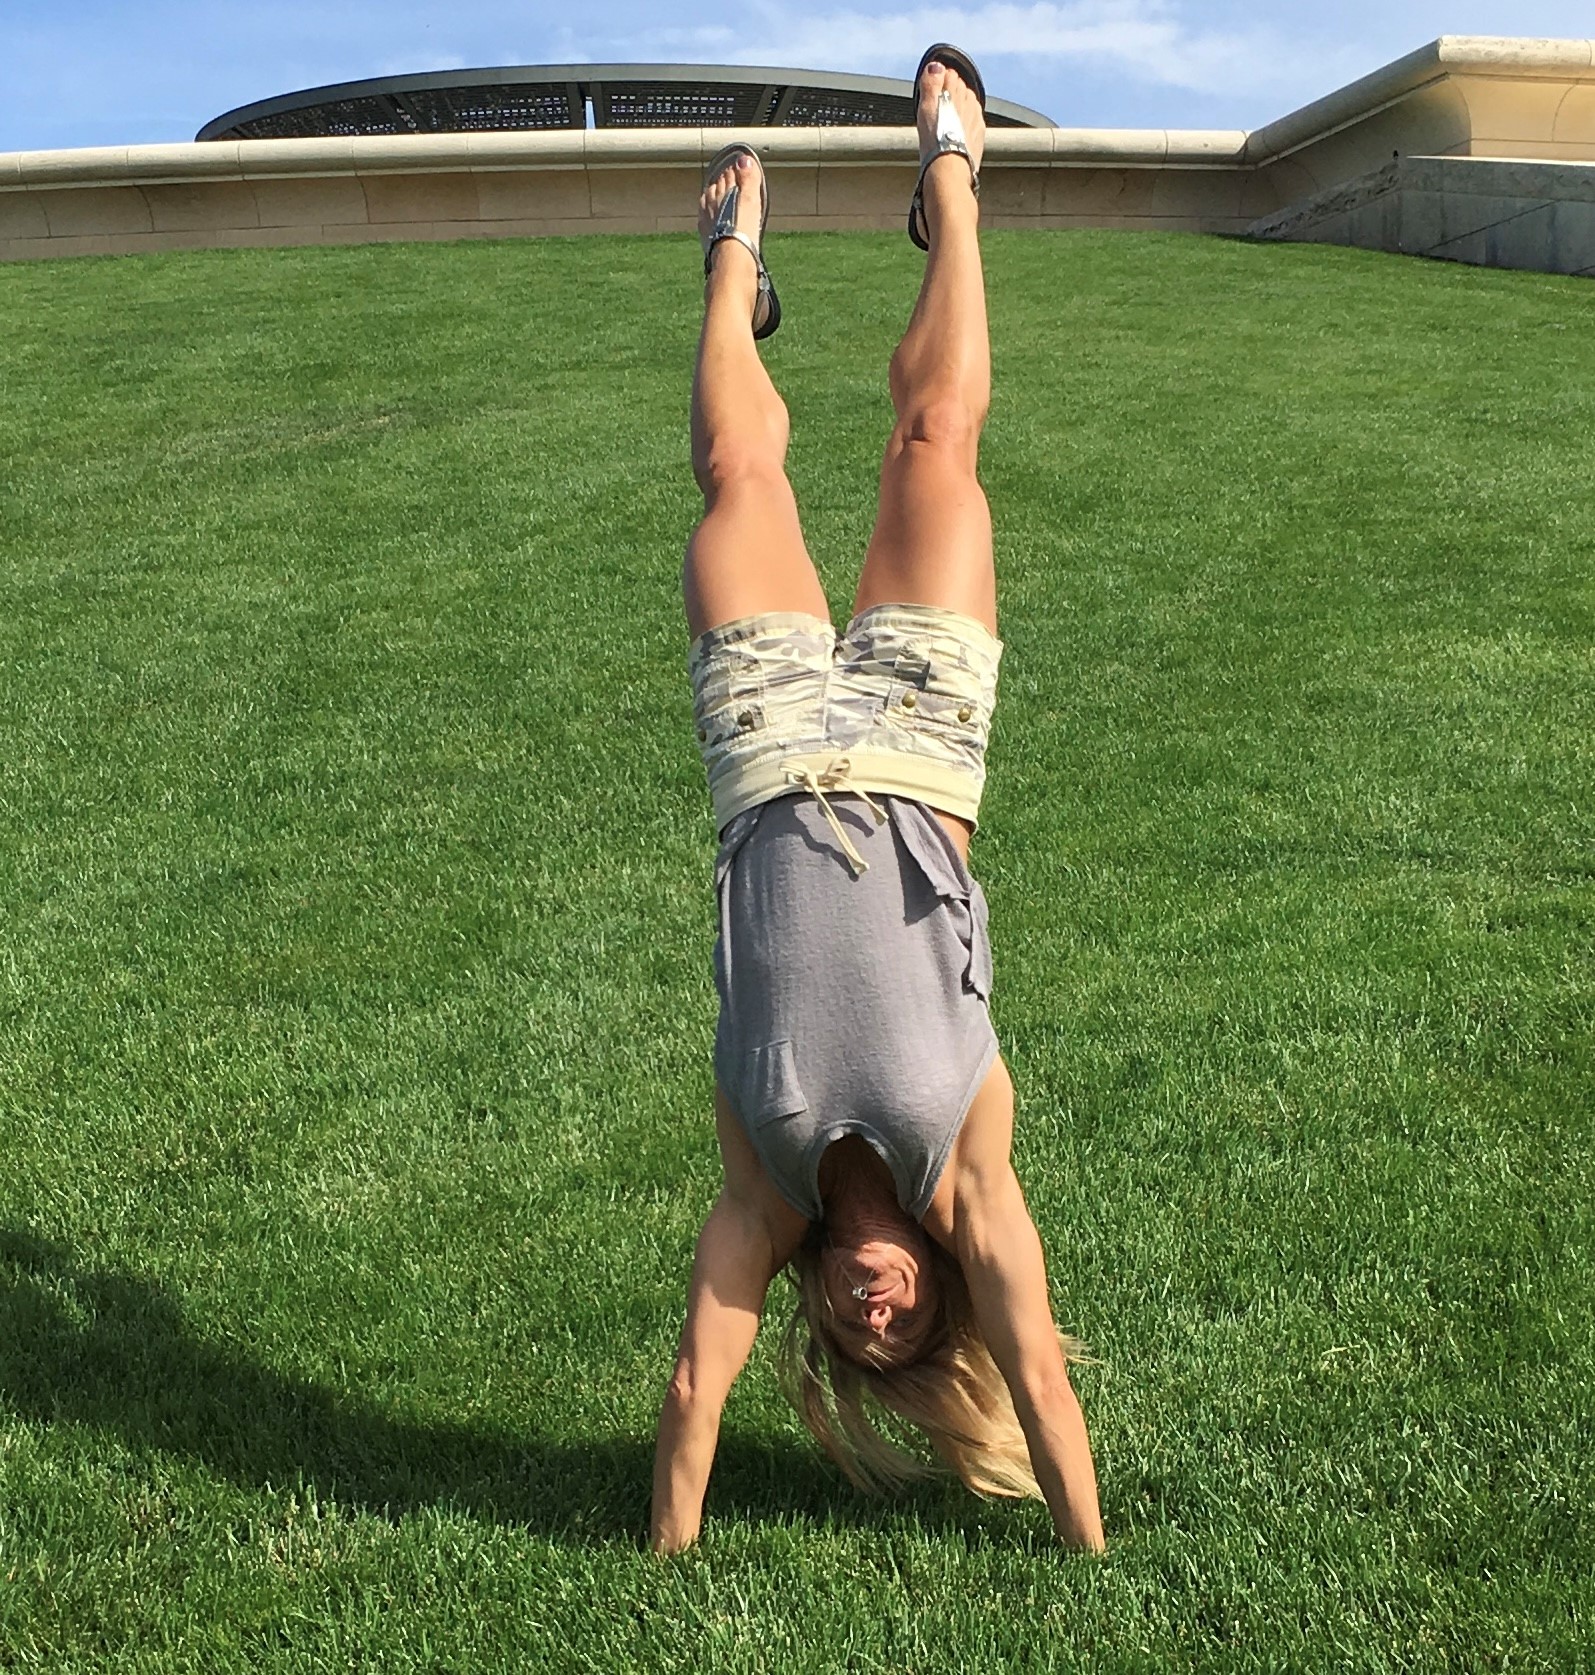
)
(882, 1289)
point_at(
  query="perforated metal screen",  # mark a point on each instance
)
(824, 108)
(576, 95)
(644, 104)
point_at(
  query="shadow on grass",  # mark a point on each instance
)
(110, 1351)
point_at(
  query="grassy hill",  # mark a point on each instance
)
(355, 1005)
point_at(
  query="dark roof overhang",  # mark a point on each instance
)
(551, 96)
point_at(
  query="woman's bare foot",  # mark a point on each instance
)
(947, 178)
(730, 262)
(723, 221)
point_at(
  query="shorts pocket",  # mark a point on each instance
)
(728, 697)
(935, 699)
(771, 1089)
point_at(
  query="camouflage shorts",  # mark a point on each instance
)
(901, 704)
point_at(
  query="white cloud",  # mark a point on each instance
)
(1147, 40)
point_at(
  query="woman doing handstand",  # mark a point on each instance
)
(864, 1116)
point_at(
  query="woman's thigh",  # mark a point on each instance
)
(748, 556)
(932, 539)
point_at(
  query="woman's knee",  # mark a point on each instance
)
(944, 429)
(723, 470)
(754, 453)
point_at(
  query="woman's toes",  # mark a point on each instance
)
(930, 86)
(749, 207)
(942, 78)
(714, 194)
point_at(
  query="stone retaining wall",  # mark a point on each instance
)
(1460, 96)
(1502, 213)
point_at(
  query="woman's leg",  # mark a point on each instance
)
(747, 555)
(932, 539)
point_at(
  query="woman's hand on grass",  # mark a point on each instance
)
(731, 1272)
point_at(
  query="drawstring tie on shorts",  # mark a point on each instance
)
(835, 776)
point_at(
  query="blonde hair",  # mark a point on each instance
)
(950, 1390)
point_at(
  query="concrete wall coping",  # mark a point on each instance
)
(598, 148)
(1464, 54)
(592, 149)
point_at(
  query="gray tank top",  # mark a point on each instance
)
(850, 1004)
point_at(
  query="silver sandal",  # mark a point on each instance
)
(766, 304)
(950, 135)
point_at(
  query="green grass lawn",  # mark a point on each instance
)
(355, 1006)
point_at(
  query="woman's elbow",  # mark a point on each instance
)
(1045, 1389)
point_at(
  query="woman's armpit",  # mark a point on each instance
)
(747, 1181)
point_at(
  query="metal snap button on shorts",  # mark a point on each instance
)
(901, 704)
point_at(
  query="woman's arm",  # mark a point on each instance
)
(999, 1251)
(731, 1272)
(749, 1236)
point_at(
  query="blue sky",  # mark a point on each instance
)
(113, 72)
